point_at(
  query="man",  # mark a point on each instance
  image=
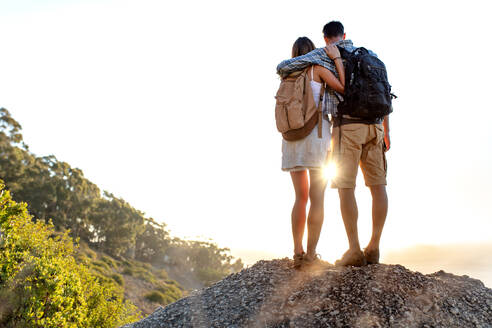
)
(355, 142)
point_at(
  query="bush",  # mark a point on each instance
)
(101, 264)
(144, 275)
(209, 276)
(162, 274)
(41, 285)
(84, 249)
(172, 291)
(118, 278)
(158, 297)
(128, 271)
(109, 261)
(174, 282)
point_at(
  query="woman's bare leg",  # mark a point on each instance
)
(316, 210)
(301, 187)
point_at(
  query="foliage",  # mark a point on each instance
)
(209, 262)
(41, 284)
(55, 191)
(171, 290)
(152, 242)
(156, 297)
(118, 278)
(164, 294)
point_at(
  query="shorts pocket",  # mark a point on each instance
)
(379, 133)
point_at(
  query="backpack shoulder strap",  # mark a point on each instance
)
(344, 52)
(320, 111)
(362, 50)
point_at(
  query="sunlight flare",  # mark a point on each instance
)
(329, 171)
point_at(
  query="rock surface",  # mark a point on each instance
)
(273, 294)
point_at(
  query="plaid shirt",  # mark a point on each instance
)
(317, 57)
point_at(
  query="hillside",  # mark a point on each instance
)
(272, 294)
(135, 255)
(142, 284)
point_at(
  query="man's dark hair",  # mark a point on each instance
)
(333, 29)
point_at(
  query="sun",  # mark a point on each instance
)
(329, 171)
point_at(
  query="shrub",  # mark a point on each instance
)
(127, 263)
(162, 274)
(41, 285)
(109, 261)
(158, 297)
(173, 282)
(140, 273)
(128, 271)
(101, 264)
(172, 291)
(209, 276)
(84, 249)
(118, 278)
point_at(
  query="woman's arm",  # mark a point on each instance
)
(330, 79)
(334, 54)
(340, 69)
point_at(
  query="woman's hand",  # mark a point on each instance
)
(332, 51)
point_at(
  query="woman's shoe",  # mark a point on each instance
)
(311, 261)
(299, 260)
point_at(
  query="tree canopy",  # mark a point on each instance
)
(58, 192)
(41, 285)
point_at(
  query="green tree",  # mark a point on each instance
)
(55, 191)
(152, 242)
(116, 225)
(41, 285)
(206, 260)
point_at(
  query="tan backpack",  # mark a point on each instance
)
(296, 114)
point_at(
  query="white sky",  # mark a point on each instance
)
(170, 106)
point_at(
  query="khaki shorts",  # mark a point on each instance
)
(360, 144)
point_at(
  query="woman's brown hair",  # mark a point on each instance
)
(302, 46)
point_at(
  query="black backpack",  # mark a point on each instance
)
(367, 91)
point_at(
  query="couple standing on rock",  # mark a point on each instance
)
(352, 141)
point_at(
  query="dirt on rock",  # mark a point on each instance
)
(273, 294)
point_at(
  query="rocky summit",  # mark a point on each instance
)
(273, 294)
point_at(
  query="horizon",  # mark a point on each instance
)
(127, 92)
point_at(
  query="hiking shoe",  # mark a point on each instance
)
(298, 260)
(310, 260)
(372, 257)
(313, 262)
(353, 258)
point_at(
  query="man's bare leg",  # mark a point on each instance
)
(348, 208)
(301, 187)
(316, 210)
(379, 212)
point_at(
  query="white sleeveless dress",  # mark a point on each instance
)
(309, 152)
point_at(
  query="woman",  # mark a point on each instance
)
(309, 154)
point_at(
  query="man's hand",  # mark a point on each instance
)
(386, 126)
(387, 142)
(332, 51)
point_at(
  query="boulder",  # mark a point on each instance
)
(273, 294)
